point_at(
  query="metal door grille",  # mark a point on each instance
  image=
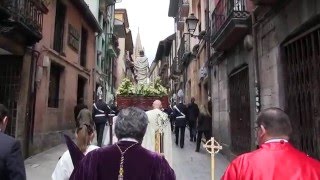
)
(10, 69)
(240, 123)
(302, 67)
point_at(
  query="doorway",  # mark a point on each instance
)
(240, 122)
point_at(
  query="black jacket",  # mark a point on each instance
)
(193, 112)
(204, 123)
(100, 117)
(180, 122)
(11, 160)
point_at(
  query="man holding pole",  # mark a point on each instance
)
(158, 133)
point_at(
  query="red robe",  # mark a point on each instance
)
(273, 161)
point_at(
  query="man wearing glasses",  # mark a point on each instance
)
(276, 158)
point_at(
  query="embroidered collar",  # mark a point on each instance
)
(128, 139)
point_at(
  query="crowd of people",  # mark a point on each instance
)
(133, 153)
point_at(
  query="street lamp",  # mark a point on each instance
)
(192, 22)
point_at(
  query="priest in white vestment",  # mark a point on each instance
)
(158, 120)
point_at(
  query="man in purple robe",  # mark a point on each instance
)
(127, 159)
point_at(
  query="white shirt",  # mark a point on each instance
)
(276, 140)
(65, 167)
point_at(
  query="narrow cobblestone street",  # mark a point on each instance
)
(188, 164)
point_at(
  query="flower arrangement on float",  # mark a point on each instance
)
(141, 95)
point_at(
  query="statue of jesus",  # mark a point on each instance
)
(141, 68)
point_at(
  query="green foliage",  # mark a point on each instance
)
(152, 89)
(126, 87)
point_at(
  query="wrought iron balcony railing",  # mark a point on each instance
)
(27, 13)
(225, 12)
(226, 9)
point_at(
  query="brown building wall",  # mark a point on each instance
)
(50, 121)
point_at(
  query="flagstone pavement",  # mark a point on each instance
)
(188, 164)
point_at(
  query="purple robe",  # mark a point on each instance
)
(139, 164)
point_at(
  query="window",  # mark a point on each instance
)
(59, 27)
(54, 86)
(84, 39)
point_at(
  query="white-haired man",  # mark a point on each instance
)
(158, 121)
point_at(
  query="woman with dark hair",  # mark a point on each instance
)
(203, 125)
(84, 137)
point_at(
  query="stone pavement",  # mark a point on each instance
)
(191, 165)
(187, 164)
(41, 166)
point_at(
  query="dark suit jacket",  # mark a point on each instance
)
(102, 106)
(11, 160)
(180, 122)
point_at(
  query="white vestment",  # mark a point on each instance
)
(155, 118)
(65, 167)
(106, 134)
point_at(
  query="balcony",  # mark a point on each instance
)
(230, 23)
(264, 2)
(175, 69)
(180, 25)
(113, 46)
(163, 66)
(184, 8)
(23, 17)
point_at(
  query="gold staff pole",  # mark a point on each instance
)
(212, 147)
(159, 135)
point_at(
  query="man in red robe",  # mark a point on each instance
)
(276, 159)
(125, 160)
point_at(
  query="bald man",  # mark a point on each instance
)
(276, 159)
(158, 120)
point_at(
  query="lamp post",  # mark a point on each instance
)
(192, 22)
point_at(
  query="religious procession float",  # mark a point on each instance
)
(141, 95)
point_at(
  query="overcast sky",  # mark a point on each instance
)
(151, 17)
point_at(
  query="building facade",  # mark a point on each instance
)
(19, 32)
(247, 56)
(266, 65)
(65, 70)
(124, 61)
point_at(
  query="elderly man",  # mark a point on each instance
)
(158, 121)
(276, 159)
(11, 160)
(126, 159)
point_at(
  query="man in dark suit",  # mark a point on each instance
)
(11, 161)
(179, 113)
(193, 113)
(100, 112)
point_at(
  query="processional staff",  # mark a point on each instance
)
(212, 147)
(162, 122)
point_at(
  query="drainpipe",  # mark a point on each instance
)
(32, 95)
(207, 38)
(256, 62)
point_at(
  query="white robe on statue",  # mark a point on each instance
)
(155, 116)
